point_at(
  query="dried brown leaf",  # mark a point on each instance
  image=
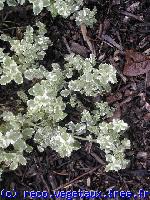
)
(136, 63)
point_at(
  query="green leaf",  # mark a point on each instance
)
(20, 145)
(27, 133)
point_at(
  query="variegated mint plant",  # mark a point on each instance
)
(63, 106)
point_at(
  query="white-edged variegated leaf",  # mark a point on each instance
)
(2, 4)
(86, 16)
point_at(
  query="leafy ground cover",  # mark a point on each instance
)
(119, 37)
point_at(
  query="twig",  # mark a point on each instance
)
(97, 158)
(139, 18)
(79, 177)
(87, 39)
(67, 45)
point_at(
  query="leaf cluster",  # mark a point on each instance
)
(59, 7)
(27, 52)
(50, 99)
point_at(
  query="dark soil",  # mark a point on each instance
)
(121, 25)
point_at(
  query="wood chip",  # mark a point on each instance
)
(79, 49)
(141, 154)
(114, 97)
